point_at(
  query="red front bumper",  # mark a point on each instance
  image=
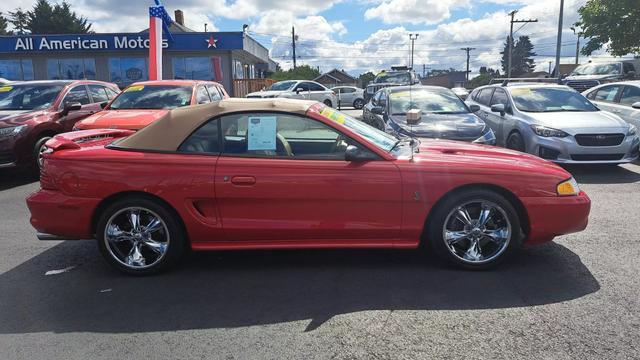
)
(52, 212)
(553, 216)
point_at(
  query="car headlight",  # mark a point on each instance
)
(547, 131)
(12, 131)
(568, 188)
(632, 130)
(488, 138)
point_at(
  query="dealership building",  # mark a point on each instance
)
(231, 58)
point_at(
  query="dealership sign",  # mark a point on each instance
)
(118, 42)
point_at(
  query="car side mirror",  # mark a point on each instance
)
(71, 106)
(564, 76)
(636, 105)
(474, 108)
(498, 108)
(355, 154)
(378, 110)
(299, 90)
(104, 104)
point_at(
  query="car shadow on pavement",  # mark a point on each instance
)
(234, 289)
(605, 174)
(12, 178)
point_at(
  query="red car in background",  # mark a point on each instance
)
(285, 174)
(142, 103)
(31, 112)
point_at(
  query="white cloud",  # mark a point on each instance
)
(414, 11)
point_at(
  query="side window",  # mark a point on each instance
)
(303, 86)
(111, 93)
(626, 67)
(630, 95)
(214, 93)
(77, 94)
(205, 140)
(607, 93)
(382, 101)
(316, 87)
(348, 90)
(500, 97)
(277, 135)
(202, 96)
(98, 93)
(484, 97)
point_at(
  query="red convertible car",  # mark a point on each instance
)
(284, 174)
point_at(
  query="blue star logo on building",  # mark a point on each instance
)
(211, 42)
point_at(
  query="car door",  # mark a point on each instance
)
(346, 96)
(630, 95)
(301, 91)
(605, 98)
(317, 92)
(76, 94)
(482, 99)
(497, 120)
(283, 177)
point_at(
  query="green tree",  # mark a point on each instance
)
(521, 56)
(4, 22)
(485, 77)
(57, 19)
(18, 19)
(615, 23)
(366, 78)
(302, 72)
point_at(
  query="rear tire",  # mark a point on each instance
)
(515, 141)
(358, 104)
(460, 234)
(140, 236)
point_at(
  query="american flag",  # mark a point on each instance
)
(158, 19)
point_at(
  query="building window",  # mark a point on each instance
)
(71, 69)
(197, 68)
(238, 70)
(124, 71)
(19, 69)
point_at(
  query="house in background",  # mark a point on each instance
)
(336, 77)
(448, 80)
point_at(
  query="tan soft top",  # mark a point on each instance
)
(167, 133)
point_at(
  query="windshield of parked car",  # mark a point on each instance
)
(429, 101)
(28, 97)
(152, 97)
(282, 85)
(550, 100)
(378, 138)
(393, 77)
(597, 69)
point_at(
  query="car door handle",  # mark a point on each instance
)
(243, 180)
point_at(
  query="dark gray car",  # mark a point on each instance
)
(443, 114)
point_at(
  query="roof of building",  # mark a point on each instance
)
(167, 133)
(336, 75)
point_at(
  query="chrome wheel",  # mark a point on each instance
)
(136, 237)
(358, 104)
(477, 231)
(41, 150)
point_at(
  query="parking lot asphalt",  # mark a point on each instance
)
(575, 298)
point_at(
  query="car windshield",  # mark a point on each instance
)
(393, 77)
(597, 69)
(28, 96)
(550, 100)
(152, 97)
(379, 138)
(282, 85)
(429, 101)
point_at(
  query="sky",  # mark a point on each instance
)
(360, 35)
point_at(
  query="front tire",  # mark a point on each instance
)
(515, 141)
(38, 152)
(328, 103)
(139, 236)
(475, 229)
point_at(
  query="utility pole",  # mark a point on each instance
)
(510, 42)
(293, 44)
(578, 34)
(413, 38)
(467, 49)
(559, 45)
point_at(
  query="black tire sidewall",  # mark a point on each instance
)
(177, 242)
(437, 220)
(36, 151)
(358, 104)
(518, 136)
(328, 103)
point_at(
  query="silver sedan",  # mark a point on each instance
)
(622, 99)
(556, 123)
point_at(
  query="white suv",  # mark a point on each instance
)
(298, 89)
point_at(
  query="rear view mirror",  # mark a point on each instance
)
(474, 108)
(636, 105)
(498, 108)
(355, 154)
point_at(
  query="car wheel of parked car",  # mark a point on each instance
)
(515, 141)
(475, 229)
(358, 104)
(328, 103)
(39, 150)
(140, 236)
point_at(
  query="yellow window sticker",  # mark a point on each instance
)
(6, 88)
(521, 91)
(332, 114)
(134, 88)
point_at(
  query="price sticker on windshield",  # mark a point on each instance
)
(333, 115)
(134, 88)
(6, 88)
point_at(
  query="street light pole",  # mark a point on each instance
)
(413, 38)
(559, 45)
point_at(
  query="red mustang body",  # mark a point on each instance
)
(284, 203)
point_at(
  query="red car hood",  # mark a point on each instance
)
(121, 119)
(487, 158)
